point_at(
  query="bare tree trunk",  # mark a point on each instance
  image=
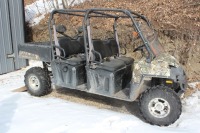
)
(44, 6)
(64, 4)
(49, 4)
(54, 6)
(71, 3)
(57, 5)
(37, 8)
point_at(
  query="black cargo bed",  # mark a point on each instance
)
(36, 51)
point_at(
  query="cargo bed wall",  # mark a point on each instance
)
(35, 51)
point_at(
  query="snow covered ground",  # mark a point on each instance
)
(37, 10)
(22, 113)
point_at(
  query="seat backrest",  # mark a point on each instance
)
(112, 44)
(100, 47)
(70, 46)
(80, 39)
(106, 48)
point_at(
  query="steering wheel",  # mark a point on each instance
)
(139, 48)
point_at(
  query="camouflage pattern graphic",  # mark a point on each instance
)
(159, 67)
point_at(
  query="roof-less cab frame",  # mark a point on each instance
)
(99, 12)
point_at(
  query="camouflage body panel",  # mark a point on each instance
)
(159, 66)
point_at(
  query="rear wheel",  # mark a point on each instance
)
(160, 105)
(37, 81)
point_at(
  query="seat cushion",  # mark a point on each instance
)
(75, 61)
(112, 65)
(127, 60)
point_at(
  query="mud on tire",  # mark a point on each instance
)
(160, 106)
(37, 81)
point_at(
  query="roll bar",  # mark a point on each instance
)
(99, 12)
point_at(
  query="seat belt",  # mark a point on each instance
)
(56, 40)
(116, 35)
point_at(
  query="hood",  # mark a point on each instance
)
(166, 59)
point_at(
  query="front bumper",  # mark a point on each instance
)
(179, 77)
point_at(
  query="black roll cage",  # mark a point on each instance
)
(98, 12)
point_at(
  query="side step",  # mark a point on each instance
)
(123, 94)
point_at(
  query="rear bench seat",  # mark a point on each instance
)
(72, 47)
(70, 71)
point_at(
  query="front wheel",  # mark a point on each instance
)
(160, 106)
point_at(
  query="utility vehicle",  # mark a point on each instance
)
(98, 66)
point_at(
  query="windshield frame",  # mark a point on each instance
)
(152, 39)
